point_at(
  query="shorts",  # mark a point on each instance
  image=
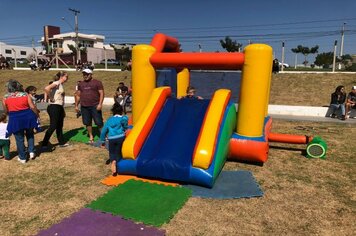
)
(89, 114)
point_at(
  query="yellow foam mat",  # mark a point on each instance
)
(120, 179)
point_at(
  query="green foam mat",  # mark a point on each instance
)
(81, 134)
(152, 204)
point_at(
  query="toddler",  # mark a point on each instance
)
(32, 91)
(114, 128)
(4, 142)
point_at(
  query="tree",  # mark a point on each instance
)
(122, 53)
(324, 59)
(229, 45)
(74, 49)
(346, 60)
(305, 51)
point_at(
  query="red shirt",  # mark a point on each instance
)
(16, 101)
(89, 92)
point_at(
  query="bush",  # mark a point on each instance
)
(351, 68)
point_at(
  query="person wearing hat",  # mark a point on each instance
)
(351, 100)
(90, 95)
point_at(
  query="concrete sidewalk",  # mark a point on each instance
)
(313, 119)
(297, 113)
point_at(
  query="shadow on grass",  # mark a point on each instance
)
(302, 150)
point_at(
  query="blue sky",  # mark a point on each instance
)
(193, 23)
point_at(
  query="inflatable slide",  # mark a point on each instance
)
(184, 140)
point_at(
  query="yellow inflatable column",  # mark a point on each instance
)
(256, 73)
(143, 79)
(269, 89)
(183, 81)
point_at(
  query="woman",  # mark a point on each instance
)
(23, 116)
(54, 94)
(338, 101)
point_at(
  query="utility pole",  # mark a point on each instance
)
(334, 58)
(342, 40)
(342, 44)
(76, 12)
(282, 68)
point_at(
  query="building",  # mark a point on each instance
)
(19, 52)
(92, 45)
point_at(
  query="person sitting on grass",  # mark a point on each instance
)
(338, 101)
(351, 100)
(114, 129)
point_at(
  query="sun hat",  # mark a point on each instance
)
(87, 71)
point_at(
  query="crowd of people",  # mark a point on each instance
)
(342, 102)
(79, 66)
(21, 117)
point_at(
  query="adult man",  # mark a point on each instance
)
(90, 95)
(351, 100)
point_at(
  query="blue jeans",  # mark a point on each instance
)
(20, 142)
(115, 146)
(335, 107)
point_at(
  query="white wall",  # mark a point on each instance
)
(28, 50)
(97, 54)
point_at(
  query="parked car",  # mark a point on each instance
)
(18, 60)
(110, 62)
(285, 65)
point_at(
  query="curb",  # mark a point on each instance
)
(306, 111)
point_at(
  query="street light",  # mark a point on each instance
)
(76, 12)
(64, 19)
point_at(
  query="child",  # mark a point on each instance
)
(191, 93)
(32, 91)
(4, 142)
(114, 128)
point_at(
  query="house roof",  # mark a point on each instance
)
(80, 35)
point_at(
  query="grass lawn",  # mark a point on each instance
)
(301, 196)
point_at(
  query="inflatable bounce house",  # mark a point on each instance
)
(189, 140)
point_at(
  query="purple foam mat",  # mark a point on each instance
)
(93, 223)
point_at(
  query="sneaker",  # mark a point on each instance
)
(21, 161)
(46, 149)
(64, 145)
(32, 155)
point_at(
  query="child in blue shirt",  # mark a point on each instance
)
(114, 129)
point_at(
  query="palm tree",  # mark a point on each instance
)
(229, 45)
(305, 51)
